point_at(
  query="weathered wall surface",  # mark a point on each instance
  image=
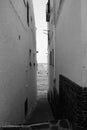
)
(15, 73)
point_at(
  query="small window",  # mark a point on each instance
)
(26, 106)
(48, 6)
(48, 36)
(27, 13)
(52, 57)
(48, 11)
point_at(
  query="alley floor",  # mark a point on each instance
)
(41, 118)
(42, 112)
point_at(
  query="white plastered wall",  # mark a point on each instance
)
(69, 46)
(15, 42)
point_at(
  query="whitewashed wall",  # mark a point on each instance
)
(71, 54)
(15, 74)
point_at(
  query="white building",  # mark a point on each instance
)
(67, 23)
(17, 61)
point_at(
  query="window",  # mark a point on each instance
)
(26, 106)
(48, 37)
(48, 11)
(27, 13)
(52, 57)
(48, 6)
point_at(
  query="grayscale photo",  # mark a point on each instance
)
(43, 65)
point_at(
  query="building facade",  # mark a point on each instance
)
(68, 77)
(17, 61)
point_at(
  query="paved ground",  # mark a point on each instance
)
(41, 118)
(42, 79)
(42, 112)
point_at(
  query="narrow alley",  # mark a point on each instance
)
(42, 117)
(43, 64)
(42, 112)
